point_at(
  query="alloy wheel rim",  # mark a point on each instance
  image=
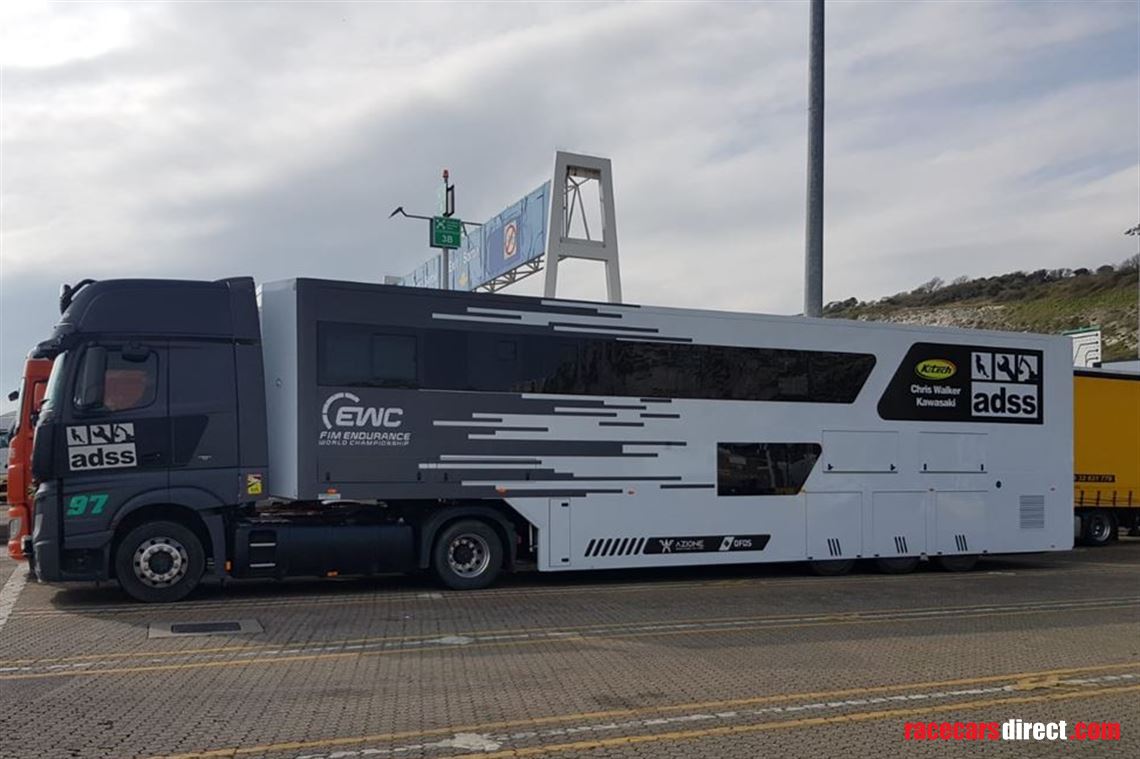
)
(160, 562)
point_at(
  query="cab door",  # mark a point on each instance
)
(115, 444)
(204, 420)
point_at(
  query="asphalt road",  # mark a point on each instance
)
(752, 661)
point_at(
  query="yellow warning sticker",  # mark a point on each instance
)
(253, 484)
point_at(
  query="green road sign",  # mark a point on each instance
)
(446, 232)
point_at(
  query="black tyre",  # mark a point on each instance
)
(159, 562)
(958, 563)
(467, 555)
(897, 565)
(832, 567)
(1098, 527)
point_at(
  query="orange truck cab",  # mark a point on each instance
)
(21, 490)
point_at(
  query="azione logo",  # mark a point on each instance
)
(935, 369)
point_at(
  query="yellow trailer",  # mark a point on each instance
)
(1106, 454)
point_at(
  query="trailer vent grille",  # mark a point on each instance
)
(1032, 512)
(960, 542)
(900, 544)
(833, 547)
(614, 546)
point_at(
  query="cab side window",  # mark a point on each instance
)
(128, 381)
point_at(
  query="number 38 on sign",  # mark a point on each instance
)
(446, 232)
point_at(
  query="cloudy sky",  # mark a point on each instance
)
(206, 140)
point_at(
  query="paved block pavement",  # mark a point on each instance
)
(745, 661)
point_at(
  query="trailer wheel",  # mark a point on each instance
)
(467, 555)
(832, 567)
(1098, 528)
(159, 562)
(897, 565)
(962, 562)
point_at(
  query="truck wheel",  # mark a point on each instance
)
(962, 562)
(1098, 528)
(467, 555)
(159, 562)
(897, 565)
(831, 567)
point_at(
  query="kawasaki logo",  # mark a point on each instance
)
(935, 369)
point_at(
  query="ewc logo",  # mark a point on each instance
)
(348, 423)
(356, 415)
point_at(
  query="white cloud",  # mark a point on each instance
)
(42, 34)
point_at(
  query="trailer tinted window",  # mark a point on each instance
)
(764, 468)
(533, 363)
(362, 356)
(394, 360)
(489, 361)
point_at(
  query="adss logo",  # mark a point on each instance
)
(101, 446)
(935, 369)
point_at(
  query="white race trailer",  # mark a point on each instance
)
(626, 436)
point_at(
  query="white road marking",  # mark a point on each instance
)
(463, 741)
(450, 640)
(470, 742)
(10, 593)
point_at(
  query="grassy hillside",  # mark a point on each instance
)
(1047, 300)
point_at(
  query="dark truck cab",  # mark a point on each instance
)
(154, 414)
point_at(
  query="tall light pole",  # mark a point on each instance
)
(813, 245)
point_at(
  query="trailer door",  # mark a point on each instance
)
(558, 533)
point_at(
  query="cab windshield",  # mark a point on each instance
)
(20, 411)
(54, 389)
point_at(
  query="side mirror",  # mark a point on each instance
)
(12, 396)
(89, 388)
(43, 453)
